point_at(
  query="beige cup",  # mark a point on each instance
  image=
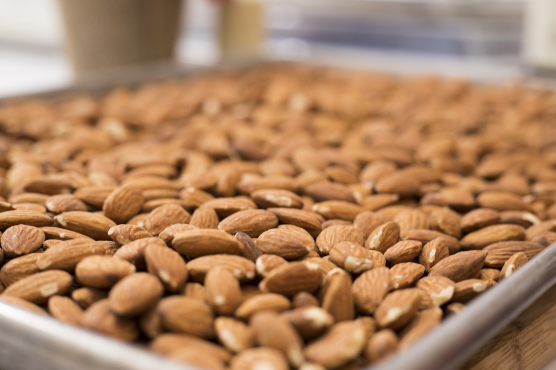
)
(109, 34)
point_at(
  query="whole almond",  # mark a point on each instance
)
(502, 201)
(383, 237)
(304, 299)
(422, 324)
(38, 288)
(412, 219)
(135, 294)
(308, 321)
(337, 209)
(193, 357)
(326, 191)
(287, 241)
(333, 235)
(366, 222)
(535, 230)
(397, 308)
(18, 268)
(478, 219)
(381, 345)
(65, 310)
(195, 197)
(433, 252)
(249, 249)
(94, 195)
(21, 239)
(489, 274)
(512, 264)
(204, 218)
(203, 242)
(468, 289)
(270, 198)
(454, 308)
(521, 218)
(446, 221)
(125, 234)
(195, 290)
(354, 258)
(100, 318)
(67, 254)
(425, 236)
(378, 201)
(233, 334)
(499, 253)
(85, 297)
(242, 268)
(252, 222)
(461, 266)
(169, 342)
(440, 289)
(271, 330)
(225, 207)
(309, 221)
(61, 234)
(30, 218)
(168, 234)
(102, 271)
(370, 288)
(397, 183)
(292, 278)
(152, 204)
(65, 203)
(337, 298)
(222, 290)
(342, 343)
(404, 275)
(255, 358)
(21, 303)
(268, 262)
(404, 251)
(167, 265)
(167, 215)
(187, 315)
(134, 252)
(492, 234)
(90, 224)
(262, 302)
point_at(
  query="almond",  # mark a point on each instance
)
(65, 203)
(446, 221)
(223, 291)
(203, 242)
(411, 219)
(309, 221)
(30, 218)
(370, 288)
(337, 209)
(381, 345)
(21, 303)
(65, 310)
(287, 241)
(520, 218)
(251, 222)
(204, 218)
(366, 222)
(135, 294)
(489, 274)
(256, 358)
(397, 183)
(309, 322)
(271, 198)
(492, 234)
(468, 289)
(425, 236)
(167, 215)
(40, 287)
(225, 207)
(168, 234)
(249, 249)
(242, 268)
(404, 251)
(100, 318)
(502, 201)
(397, 308)
(152, 204)
(326, 191)
(383, 237)
(193, 357)
(187, 315)
(440, 289)
(18, 268)
(478, 219)
(536, 230)
(21, 239)
(167, 265)
(234, 335)
(499, 253)
(292, 278)
(461, 266)
(422, 324)
(303, 299)
(67, 254)
(268, 262)
(433, 252)
(337, 298)
(333, 235)
(125, 234)
(262, 302)
(134, 252)
(61, 234)
(102, 271)
(512, 264)
(90, 224)
(167, 343)
(354, 258)
(94, 195)
(377, 201)
(85, 297)
(404, 275)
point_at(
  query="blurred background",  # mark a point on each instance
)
(471, 37)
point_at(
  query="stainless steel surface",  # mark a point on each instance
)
(29, 342)
(450, 345)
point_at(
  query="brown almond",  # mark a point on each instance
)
(67, 254)
(512, 264)
(21, 303)
(233, 334)
(254, 358)
(187, 315)
(383, 237)
(167, 215)
(135, 294)
(21, 239)
(167, 265)
(342, 343)
(377, 201)
(204, 242)
(333, 235)
(337, 209)
(404, 251)
(90, 224)
(19, 268)
(292, 278)
(262, 302)
(308, 321)
(454, 308)
(535, 230)
(397, 183)
(502, 201)
(425, 236)
(58, 233)
(204, 218)
(303, 299)
(492, 234)
(193, 357)
(446, 221)
(422, 324)
(100, 318)
(223, 291)
(440, 289)
(404, 275)
(460, 266)
(125, 234)
(499, 253)
(38, 288)
(270, 198)
(195, 290)
(268, 262)
(521, 218)
(354, 258)
(152, 204)
(381, 345)
(397, 308)
(134, 252)
(168, 234)
(225, 207)
(366, 222)
(65, 310)
(337, 298)
(433, 252)
(489, 274)
(94, 195)
(249, 249)
(370, 288)
(169, 342)
(466, 290)
(102, 271)
(326, 191)
(65, 203)
(411, 219)
(30, 218)
(287, 241)
(242, 268)
(252, 222)
(309, 221)
(85, 297)
(478, 219)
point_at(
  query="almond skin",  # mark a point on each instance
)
(466, 290)
(337, 209)
(382, 344)
(204, 218)
(162, 217)
(292, 278)
(383, 237)
(61, 234)
(512, 264)
(100, 318)
(18, 268)
(30, 218)
(250, 359)
(440, 289)
(287, 241)
(397, 308)
(21, 239)
(67, 254)
(478, 219)
(125, 234)
(90, 224)
(492, 234)
(168, 234)
(262, 302)
(499, 253)
(370, 288)
(135, 294)
(102, 271)
(404, 251)
(242, 268)
(222, 290)
(433, 252)
(461, 266)
(252, 222)
(354, 258)
(40, 287)
(65, 310)
(268, 262)
(134, 252)
(309, 221)
(167, 265)
(404, 275)
(233, 334)
(270, 198)
(337, 298)
(333, 235)
(65, 203)
(186, 315)
(249, 249)
(367, 222)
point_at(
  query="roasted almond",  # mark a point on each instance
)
(489, 274)
(499, 253)
(440, 289)
(90, 224)
(425, 236)
(38, 288)
(337, 209)
(187, 315)
(433, 252)
(18, 268)
(168, 234)
(404, 275)
(422, 324)
(308, 321)
(67, 254)
(337, 298)
(326, 191)
(492, 234)
(502, 201)
(411, 219)
(287, 241)
(383, 237)
(30, 218)
(204, 218)
(222, 290)
(85, 297)
(135, 294)
(21, 239)
(268, 262)
(169, 342)
(354, 258)
(134, 252)
(333, 235)
(242, 268)
(460, 266)
(292, 278)
(381, 345)
(61, 234)
(204, 242)
(167, 265)
(404, 251)
(249, 249)
(167, 215)
(102, 271)
(270, 198)
(254, 358)
(21, 303)
(370, 288)
(94, 195)
(125, 234)
(397, 308)
(252, 222)
(478, 219)
(446, 221)
(309, 221)
(366, 222)
(466, 290)
(65, 203)
(225, 207)
(233, 334)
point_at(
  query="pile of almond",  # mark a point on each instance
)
(283, 217)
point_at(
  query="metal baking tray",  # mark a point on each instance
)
(29, 341)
